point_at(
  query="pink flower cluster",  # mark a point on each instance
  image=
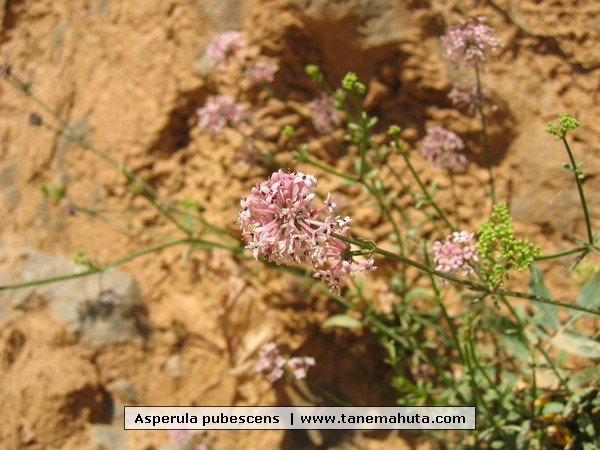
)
(217, 112)
(441, 147)
(455, 252)
(335, 265)
(225, 45)
(271, 363)
(299, 366)
(465, 98)
(470, 42)
(278, 221)
(179, 437)
(325, 117)
(262, 72)
(186, 441)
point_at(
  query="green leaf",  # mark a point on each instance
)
(372, 173)
(577, 380)
(342, 321)
(391, 197)
(576, 344)
(498, 444)
(553, 408)
(531, 336)
(548, 312)
(417, 293)
(491, 395)
(393, 129)
(589, 295)
(515, 346)
(579, 258)
(513, 416)
(580, 398)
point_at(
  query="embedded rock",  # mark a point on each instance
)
(103, 308)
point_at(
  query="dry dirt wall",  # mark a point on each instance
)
(129, 76)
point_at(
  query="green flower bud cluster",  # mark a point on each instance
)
(393, 130)
(499, 250)
(351, 83)
(314, 72)
(566, 124)
(81, 259)
(287, 131)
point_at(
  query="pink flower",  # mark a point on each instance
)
(179, 437)
(470, 42)
(466, 98)
(262, 72)
(270, 362)
(278, 221)
(441, 147)
(325, 117)
(337, 262)
(455, 252)
(299, 366)
(217, 112)
(225, 45)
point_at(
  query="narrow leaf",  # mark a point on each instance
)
(576, 344)
(589, 295)
(537, 286)
(342, 321)
(417, 293)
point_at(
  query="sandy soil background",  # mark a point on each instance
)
(129, 76)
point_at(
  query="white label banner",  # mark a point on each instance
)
(299, 418)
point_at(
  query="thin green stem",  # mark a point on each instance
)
(577, 173)
(454, 194)
(363, 145)
(26, 89)
(561, 376)
(473, 382)
(328, 169)
(50, 280)
(111, 265)
(152, 196)
(513, 312)
(424, 189)
(559, 254)
(104, 217)
(94, 270)
(386, 211)
(454, 331)
(474, 286)
(369, 318)
(523, 334)
(485, 134)
(407, 190)
(442, 306)
(320, 389)
(548, 301)
(162, 210)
